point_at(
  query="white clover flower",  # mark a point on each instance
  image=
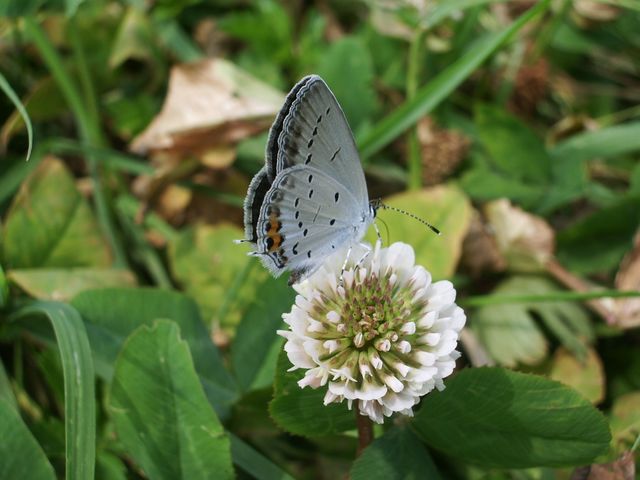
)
(384, 337)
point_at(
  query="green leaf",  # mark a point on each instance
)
(300, 410)
(604, 143)
(6, 392)
(225, 286)
(397, 455)
(5, 86)
(446, 207)
(21, 455)
(49, 224)
(347, 67)
(510, 332)
(483, 183)
(134, 39)
(63, 284)
(111, 315)
(430, 96)
(254, 463)
(160, 410)
(71, 6)
(256, 341)
(499, 418)
(79, 395)
(598, 242)
(110, 467)
(513, 148)
(4, 289)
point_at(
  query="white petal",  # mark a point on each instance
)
(375, 359)
(333, 316)
(403, 346)
(424, 358)
(408, 328)
(441, 295)
(371, 391)
(393, 383)
(427, 321)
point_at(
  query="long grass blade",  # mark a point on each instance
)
(430, 96)
(9, 92)
(79, 394)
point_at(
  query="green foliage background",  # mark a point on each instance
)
(137, 341)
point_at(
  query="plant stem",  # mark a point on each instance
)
(484, 300)
(365, 430)
(413, 78)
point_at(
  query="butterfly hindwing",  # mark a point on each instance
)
(306, 216)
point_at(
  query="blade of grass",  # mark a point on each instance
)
(79, 394)
(87, 128)
(483, 300)
(11, 94)
(86, 82)
(429, 96)
(604, 143)
(127, 208)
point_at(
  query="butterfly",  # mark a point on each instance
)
(310, 199)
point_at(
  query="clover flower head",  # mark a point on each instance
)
(383, 335)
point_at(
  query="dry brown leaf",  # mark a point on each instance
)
(628, 278)
(526, 241)
(624, 468)
(209, 103)
(172, 203)
(219, 157)
(587, 12)
(480, 253)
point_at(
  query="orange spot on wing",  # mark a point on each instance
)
(274, 227)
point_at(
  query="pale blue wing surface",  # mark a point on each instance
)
(315, 133)
(306, 216)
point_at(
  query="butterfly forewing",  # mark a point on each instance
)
(271, 153)
(310, 199)
(315, 132)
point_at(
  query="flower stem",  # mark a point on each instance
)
(365, 430)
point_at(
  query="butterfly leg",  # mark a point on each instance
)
(375, 226)
(365, 255)
(344, 266)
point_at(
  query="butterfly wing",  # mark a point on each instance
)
(271, 153)
(253, 201)
(307, 215)
(315, 132)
